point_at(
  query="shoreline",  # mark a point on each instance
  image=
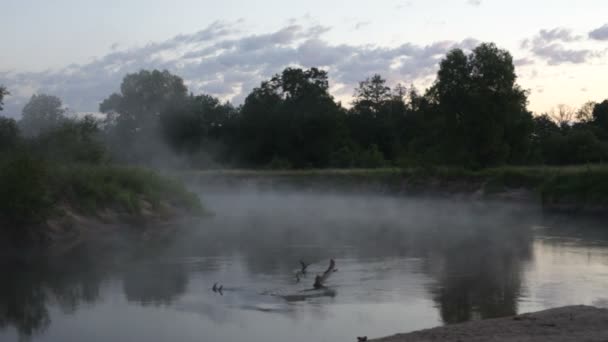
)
(571, 190)
(564, 324)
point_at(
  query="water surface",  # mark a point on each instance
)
(403, 264)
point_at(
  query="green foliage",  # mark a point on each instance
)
(132, 127)
(42, 113)
(370, 158)
(9, 135)
(95, 187)
(292, 116)
(72, 141)
(24, 191)
(600, 115)
(3, 93)
(479, 108)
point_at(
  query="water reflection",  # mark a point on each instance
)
(154, 284)
(471, 260)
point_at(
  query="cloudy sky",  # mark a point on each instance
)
(80, 49)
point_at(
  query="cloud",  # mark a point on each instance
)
(523, 62)
(556, 54)
(223, 61)
(600, 33)
(560, 45)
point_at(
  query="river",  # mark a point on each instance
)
(402, 264)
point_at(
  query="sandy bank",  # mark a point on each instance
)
(571, 323)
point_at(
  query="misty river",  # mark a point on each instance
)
(403, 264)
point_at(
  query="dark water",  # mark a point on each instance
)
(403, 265)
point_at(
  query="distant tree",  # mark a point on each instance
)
(143, 97)
(600, 114)
(377, 118)
(75, 140)
(480, 109)
(134, 113)
(563, 115)
(3, 92)
(42, 113)
(200, 125)
(292, 117)
(372, 95)
(585, 113)
(9, 134)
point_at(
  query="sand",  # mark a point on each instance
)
(571, 323)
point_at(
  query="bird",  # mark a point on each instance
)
(214, 288)
(361, 338)
(219, 289)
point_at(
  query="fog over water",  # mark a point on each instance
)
(403, 264)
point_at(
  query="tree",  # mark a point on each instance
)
(371, 95)
(200, 126)
(42, 113)
(292, 116)
(563, 115)
(600, 114)
(134, 113)
(9, 134)
(480, 109)
(377, 118)
(3, 92)
(585, 113)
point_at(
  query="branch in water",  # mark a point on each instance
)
(320, 279)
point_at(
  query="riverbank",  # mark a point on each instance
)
(566, 189)
(58, 207)
(565, 324)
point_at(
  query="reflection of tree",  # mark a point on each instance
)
(479, 276)
(155, 284)
(26, 294)
(23, 304)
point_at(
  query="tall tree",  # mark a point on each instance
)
(198, 125)
(291, 117)
(372, 95)
(42, 113)
(134, 113)
(3, 92)
(585, 113)
(377, 118)
(600, 114)
(480, 108)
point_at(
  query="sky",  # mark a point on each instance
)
(80, 50)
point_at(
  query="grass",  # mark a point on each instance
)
(93, 187)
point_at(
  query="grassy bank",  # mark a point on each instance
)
(571, 187)
(32, 192)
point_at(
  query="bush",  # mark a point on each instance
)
(24, 191)
(371, 158)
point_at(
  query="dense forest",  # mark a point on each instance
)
(474, 115)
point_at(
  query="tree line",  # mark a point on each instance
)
(474, 115)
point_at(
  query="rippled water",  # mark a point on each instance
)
(403, 264)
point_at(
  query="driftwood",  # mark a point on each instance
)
(304, 267)
(320, 279)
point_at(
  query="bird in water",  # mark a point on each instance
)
(214, 288)
(361, 338)
(220, 290)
